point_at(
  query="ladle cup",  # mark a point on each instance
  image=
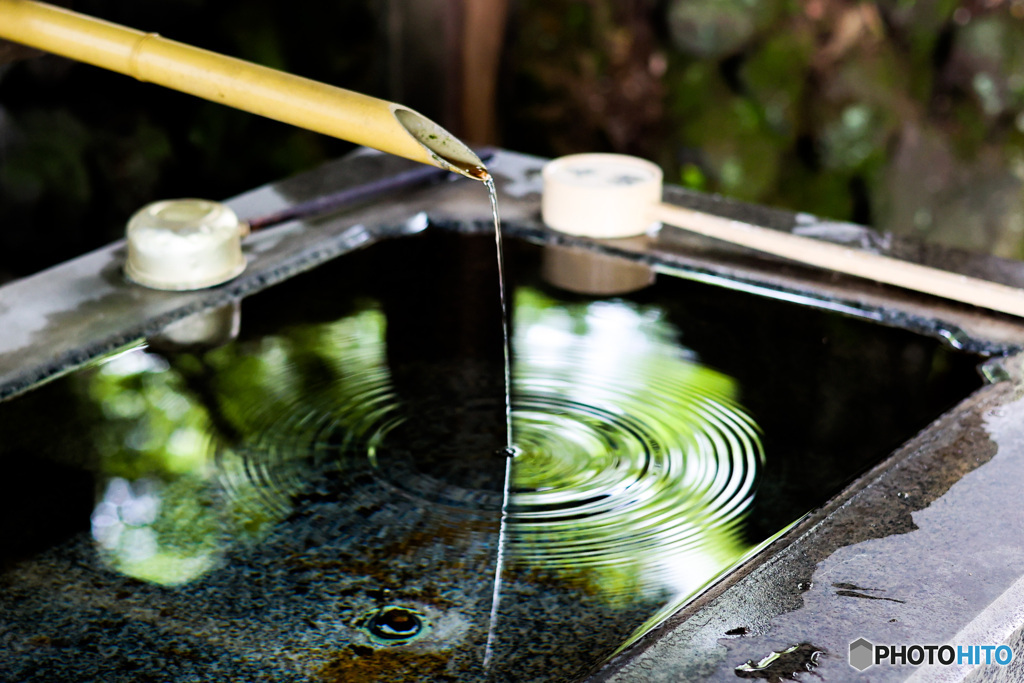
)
(614, 195)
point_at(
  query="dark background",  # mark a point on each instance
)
(905, 115)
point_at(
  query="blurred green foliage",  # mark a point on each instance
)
(812, 105)
(197, 452)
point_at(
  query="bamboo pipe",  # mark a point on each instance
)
(613, 195)
(274, 94)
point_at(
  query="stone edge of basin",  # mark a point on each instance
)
(61, 318)
(947, 502)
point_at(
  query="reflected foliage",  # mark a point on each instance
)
(635, 459)
(183, 433)
(614, 484)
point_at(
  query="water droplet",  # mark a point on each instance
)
(994, 371)
(954, 336)
(783, 664)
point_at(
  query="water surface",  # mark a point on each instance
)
(322, 498)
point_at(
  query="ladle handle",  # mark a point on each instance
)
(945, 284)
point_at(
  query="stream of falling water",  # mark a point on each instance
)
(499, 563)
(492, 191)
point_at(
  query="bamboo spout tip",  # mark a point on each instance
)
(446, 150)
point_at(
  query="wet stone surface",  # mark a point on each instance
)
(921, 551)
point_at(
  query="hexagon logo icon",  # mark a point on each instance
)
(862, 654)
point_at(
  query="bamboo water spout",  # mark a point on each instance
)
(284, 97)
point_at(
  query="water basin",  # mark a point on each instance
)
(321, 498)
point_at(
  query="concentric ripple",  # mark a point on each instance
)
(321, 389)
(631, 453)
(327, 404)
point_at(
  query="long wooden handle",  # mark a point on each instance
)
(953, 286)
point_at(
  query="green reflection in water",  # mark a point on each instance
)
(285, 392)
(637, 465)
(156, 518)
(207, 451)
